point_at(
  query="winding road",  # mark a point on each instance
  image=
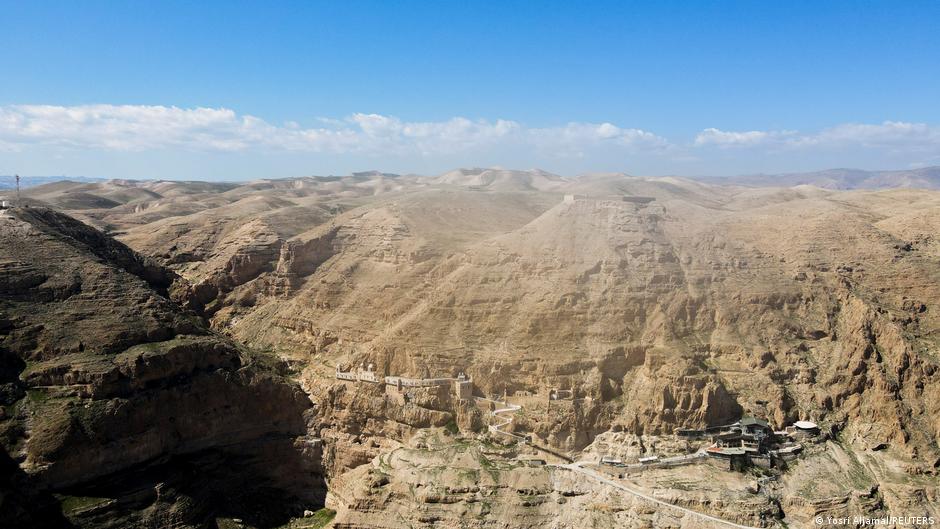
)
(495, 428)
(578, 467)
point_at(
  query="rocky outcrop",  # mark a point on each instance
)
(238, 258)
(85, 239)
(300, 258)
(114, 396)
(473, 484)
(358, 420)
(687, 307)
(670, 393)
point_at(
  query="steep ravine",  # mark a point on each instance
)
(690, 309)
(121, 409)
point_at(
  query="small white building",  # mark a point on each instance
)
(806, 427)
(560, 394)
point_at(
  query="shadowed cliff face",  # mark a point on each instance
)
(123, 407)
(21, 503)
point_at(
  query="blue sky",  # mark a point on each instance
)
(233, 90)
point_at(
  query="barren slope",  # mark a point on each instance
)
(660, 302)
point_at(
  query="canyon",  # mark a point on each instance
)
(168, 350)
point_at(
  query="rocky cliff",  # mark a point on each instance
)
(654, 303)
(120, 408)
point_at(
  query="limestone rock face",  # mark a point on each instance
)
(112, 391)
(472, 485)
(653, 303)
(359, 420)
(299, 259)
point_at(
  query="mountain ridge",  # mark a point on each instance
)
(110, 388)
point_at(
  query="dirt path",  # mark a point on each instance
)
(579, 468)
(495, 428)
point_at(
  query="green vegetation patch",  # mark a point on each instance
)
(452, 427)
(489, 467)
(320, 519)
(162, 346)
(37, 396)
(73, 504)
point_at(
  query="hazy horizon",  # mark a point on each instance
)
(51, 177)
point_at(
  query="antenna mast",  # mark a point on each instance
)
(17, 190)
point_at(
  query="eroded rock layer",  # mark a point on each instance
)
(119, 408)
(651, 303)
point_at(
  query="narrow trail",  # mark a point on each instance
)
(578, 467)
(495, 428)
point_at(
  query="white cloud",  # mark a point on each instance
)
(714, 136)
(580, 140)
(726, 139)
(593, 133)
(139, 128)
(894, 136)
(890, 134)
(385, 133)
(132, 128)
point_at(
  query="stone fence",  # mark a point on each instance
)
(667, 462)
(418, 382)
(370, 376)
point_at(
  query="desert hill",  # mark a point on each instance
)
(9, 181)
(495, 179)
(660, 303)
(921, 178)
